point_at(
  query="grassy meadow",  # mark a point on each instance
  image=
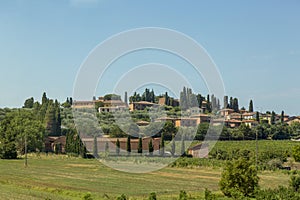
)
(62, 177)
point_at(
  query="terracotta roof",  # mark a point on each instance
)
(233, 121)
(144, 102)
(166, 118)
(249, 114)
(200, 115)
(227, 109)
(249, 121)
(235, 114)
(198, 146)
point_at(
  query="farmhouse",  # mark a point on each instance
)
(141, 105)
(83, 104)
(52, 143)
(101, 143)
(199, 151)
(112, 106)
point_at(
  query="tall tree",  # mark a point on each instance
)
(182, 146)
(173, 145)
(29, 103)
(225, 102)
(150, 147)
(152, 96)
(257, 117)
(50, 120)
(106, 148)
(128, 145)
(282, 117)
(126, 98)
(231, 103)
(140, 146)
(118, 147)
(167, 100)
(162, 145)
(57, 119)
(199, 99)
(208, 104)
(273, 116)
(183, 99)
(235, 105)
(251, 106)
(95, 147)
(44, 98)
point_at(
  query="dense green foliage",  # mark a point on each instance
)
(296, 153)
(239, 178)
(15, 128)
(74, 145)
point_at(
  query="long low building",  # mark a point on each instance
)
(102, 142)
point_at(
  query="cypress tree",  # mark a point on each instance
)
(152, 96)
(282, 117)
(151, 149)
(235, 105)
(50, 120)
(128, 147)
(231, 103)
(183, 99)
(44, 98)
(118, 147)
(173, 146)
(106, 147)
(225, 102)
(182, 146)
(273, 117)
(166, 99)
(251, 106)
(57, 119)
(95, 147)
(257, 116)
(126, 98)
(140, 146)
(162, 145)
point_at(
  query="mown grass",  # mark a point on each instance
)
(62, 177)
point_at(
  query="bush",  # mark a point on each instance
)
(239, 177)
(152, 196)
(295, 183)
(296, 153)
(87, 196)
(183, 195)
(208, 195)
(122, 197)
(277, 194)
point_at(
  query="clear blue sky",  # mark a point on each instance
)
(255, 44)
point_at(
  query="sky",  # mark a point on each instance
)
(254, 44)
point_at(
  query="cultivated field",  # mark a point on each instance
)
(62, 177)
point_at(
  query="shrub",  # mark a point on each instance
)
(295, 183)
(152, 196)
(277, 194)
(296, 153)
(208, 195)
(122, 197)
(239, 177)
(87, 196)
(183, 195)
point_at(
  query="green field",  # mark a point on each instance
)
(62, 177)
